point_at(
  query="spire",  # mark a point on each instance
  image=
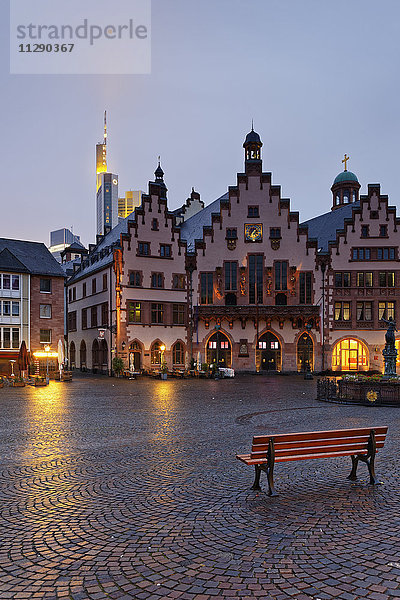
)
(105, 127)
(252, 124)
(159, 173)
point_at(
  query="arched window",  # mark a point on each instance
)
(103, 353)
(82, 353)
(156, 353)
(72, 354)
(178, 354)
(219, 350)
(305, 353)
(350, 355)
(135, 347)
(269, 355)
(95, 354)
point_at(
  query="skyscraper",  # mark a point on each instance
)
(106, 188)
(127, 205)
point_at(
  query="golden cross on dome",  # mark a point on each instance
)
(346, 158)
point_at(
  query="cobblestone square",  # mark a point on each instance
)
(117, 489)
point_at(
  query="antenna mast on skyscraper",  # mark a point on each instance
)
(105, 127)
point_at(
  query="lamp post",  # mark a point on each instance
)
(12, 367)
(47, 350)
(307, 374)
(163, 374)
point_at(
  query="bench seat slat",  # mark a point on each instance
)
(315, 435)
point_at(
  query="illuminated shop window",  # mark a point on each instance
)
(350, 355)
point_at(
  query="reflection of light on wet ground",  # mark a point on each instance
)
(164, 402)
(45, 410)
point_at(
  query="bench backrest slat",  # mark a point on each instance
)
(315, 435)
(318, 441)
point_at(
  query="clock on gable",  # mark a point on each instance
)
(253, 232)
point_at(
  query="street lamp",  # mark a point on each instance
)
(162, 348)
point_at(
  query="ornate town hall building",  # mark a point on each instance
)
(240, 282)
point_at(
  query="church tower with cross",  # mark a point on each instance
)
(345, 188)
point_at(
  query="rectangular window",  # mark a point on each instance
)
(104, 281)
(382, 230)
(45, 311)
(231, 276)
(15, 282)
(178, 314)
(84, 290)
(93, 316)
(104, 314)
(386, 310)
(157, 280)
(84, 318)
(256, 278)
(231, 233)
(15, 337)
(144, 248)
(15, 309)
(94, 286)
(305, 281)
(165, 250)
(6, 282)
(275, 233)
(364, 231)
(386, 279)
(342, 311)
(45, 286)
(157, 313)
(364, 279)
(364, 311)
(178, 282)
(135, 278)
(206, 288)
(72, 321)
(45, 336)
(253, 212)
(386, 254)
(342, 280)
(154, 224)
(6, 308)
(361, 254)
(134, 312)
(281, 275)
(6, 337)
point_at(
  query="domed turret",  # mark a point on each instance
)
(345, 187)
(252, 151)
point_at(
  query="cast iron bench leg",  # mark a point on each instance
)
(256, 484)
(353, 474)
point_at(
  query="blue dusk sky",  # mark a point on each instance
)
(319, 78)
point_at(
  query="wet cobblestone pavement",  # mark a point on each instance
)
(116, 489)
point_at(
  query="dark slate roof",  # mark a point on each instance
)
(8, 262)
(192, 229)
(97, 262)
(252, 137)
(34, 256)
(324, 227)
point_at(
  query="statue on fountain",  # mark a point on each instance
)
(390, 352)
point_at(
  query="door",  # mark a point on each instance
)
(134, 361)
(270, 352)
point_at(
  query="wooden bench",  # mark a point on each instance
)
(360, 444)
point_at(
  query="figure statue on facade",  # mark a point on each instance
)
(390, 352)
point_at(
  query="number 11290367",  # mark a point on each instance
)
(46, 47)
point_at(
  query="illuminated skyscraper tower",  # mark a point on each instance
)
(106, 188)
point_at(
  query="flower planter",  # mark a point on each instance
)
(39, 383)
(19, 384)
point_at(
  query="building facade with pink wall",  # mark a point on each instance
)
(242, 283)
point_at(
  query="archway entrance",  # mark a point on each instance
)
(135, 357)
(270, 352)
(305, 352)
(350, 355)
(219, 350)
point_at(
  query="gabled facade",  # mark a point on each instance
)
(241, 282)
